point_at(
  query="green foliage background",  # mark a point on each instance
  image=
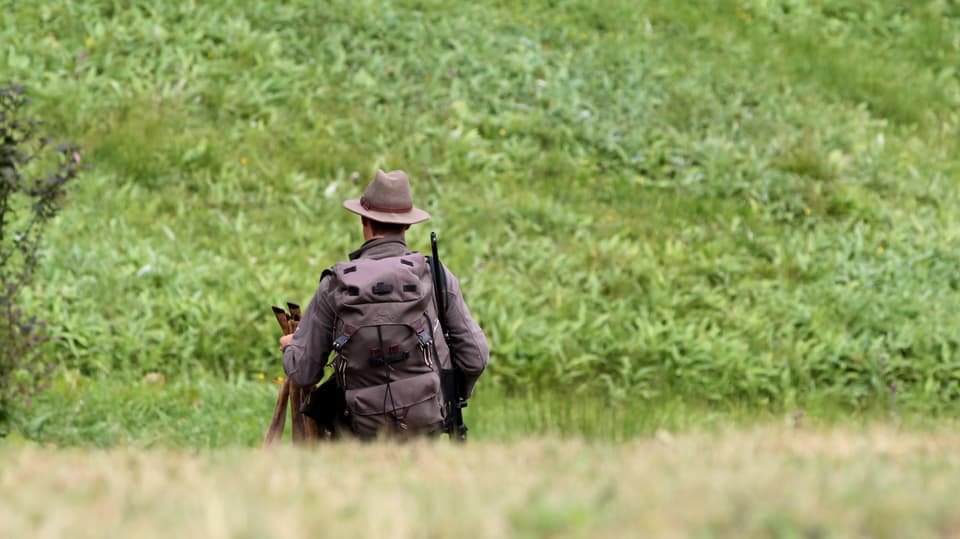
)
(751, 201)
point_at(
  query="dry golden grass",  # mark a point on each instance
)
(766, 482)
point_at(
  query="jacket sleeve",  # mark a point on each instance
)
(469, 350)
(305, 357)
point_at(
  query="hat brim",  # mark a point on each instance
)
(416, 215)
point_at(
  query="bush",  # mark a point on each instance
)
(33, 180)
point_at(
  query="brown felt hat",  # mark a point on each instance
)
(388, 199)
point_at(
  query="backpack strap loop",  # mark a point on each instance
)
(423, 333)
(341, 341)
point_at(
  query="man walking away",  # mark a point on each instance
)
(378, 314)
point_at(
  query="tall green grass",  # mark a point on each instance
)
(205, 413)
(747, 202)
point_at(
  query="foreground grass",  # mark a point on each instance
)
(766, 482)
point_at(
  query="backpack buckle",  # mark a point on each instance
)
(340, 342)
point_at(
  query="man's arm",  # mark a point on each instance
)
(468, 345)
(305, 352)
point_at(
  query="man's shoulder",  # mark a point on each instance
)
(326, 281)
(368, 267)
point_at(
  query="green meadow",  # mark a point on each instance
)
(752, 202)
(670, 218)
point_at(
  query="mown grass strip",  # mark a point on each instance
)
(766, 482)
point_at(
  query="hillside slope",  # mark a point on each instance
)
(753, 201)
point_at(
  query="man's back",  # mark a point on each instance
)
(384, 344)
(378, 314)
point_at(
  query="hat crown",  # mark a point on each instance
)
(388, 192)
(388, 199)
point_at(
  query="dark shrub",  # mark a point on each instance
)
(33, 179)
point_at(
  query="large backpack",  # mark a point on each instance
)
(386, 358)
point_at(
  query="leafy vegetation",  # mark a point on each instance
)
(212, 414)
(33, 180)
(670, 218)
(748, 202)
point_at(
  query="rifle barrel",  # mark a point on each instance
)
(438, 284)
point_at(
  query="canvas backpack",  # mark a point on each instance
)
(386, 357)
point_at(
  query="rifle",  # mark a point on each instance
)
(452, 382)
(304, 429)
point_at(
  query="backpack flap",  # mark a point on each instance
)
(388, 280)
(412, 404)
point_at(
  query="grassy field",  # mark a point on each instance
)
(752, 201)
(210, 414)
(761, 482)
(714, 246)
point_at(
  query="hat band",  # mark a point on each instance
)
(370, 207)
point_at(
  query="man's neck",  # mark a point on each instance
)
(378, 245)
(370, 236)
